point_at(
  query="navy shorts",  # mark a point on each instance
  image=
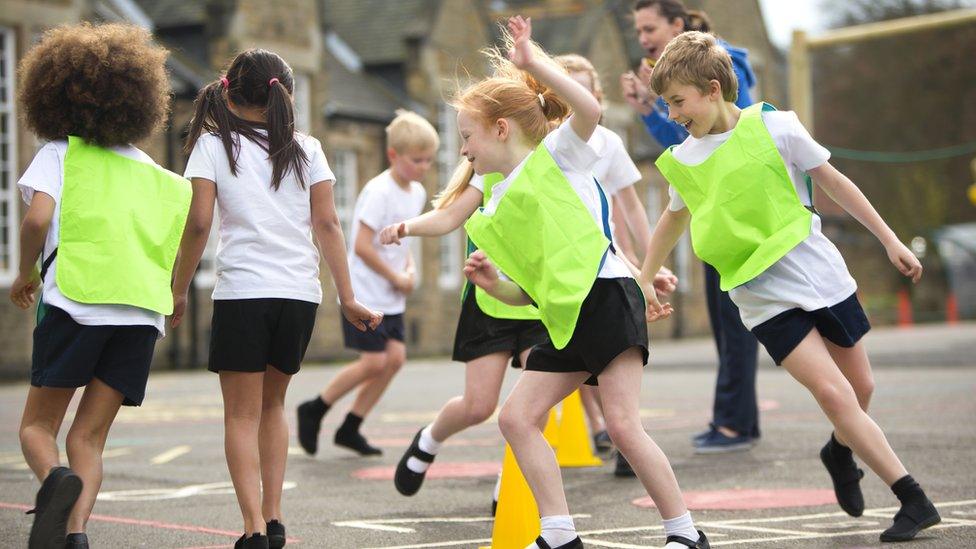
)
(68, 354)
(373, 341)
(247, 335)
(611, 320)
(479, 335)
(843, 325)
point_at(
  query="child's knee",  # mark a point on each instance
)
(623, 430)
(478, 411)
(834, 398)
(512, 422)
(373, 364)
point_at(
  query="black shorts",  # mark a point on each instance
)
(246, 335)
(373, 341)
(611, 320)
(843, 324)
(479, 335)
(68, 354)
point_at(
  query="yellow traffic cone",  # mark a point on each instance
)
(574, 439)
(517, 517)
(551, 432)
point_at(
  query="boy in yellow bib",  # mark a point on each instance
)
(740, 182)
(106, 222)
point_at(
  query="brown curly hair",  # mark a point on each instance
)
(104, 83)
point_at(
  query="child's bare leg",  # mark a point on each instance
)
(620, 393)
(811, 364)
(349, 377)
(854, 364)
(591, 404)
(482, 384)
(243, 401)
(530, 401)
(273, 442)
(85, 443)
(372, 390)
(43, 414)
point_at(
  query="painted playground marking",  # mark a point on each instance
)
(745, 499)
(734, 532)
(156, 494)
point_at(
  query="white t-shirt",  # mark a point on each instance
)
(46, 174)
(576, 159)
(614, 168)
(265, 248)
(812, 275)
(383, 202)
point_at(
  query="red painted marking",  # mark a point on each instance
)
(736, 500)
(437, 470)
(149, 523)
(766, 405)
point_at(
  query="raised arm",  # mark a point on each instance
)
(586, 109)
(436, 222)
(846, 194)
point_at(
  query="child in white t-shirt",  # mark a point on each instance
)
(273, 188)
(86, 335)
(739, 182)
(382, 277)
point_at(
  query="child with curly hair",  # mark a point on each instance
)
(108, 253)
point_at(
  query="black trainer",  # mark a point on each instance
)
(407, 481)
(574, 544)
(846, 477)
(355, 441)
(256, 541)
(310, 416)
(602, 442)
(55, 498)
(623, 469)
(702, 542)
(76, 541)
(276, 534)
(912, 518)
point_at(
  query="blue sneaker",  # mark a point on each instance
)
(719, 443)
(702, 436)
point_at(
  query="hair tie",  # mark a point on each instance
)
(224, 82)
(542, 100)
(272, 82)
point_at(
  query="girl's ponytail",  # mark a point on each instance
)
(285, 152)
(460, 180)
(212, 116)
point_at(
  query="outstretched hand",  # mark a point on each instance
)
(905, 261)
(479, 270)
(521, 53)
(391, 234)
(361, 317)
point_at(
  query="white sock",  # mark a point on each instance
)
(427, 444)
(557, 530)
(681, 526)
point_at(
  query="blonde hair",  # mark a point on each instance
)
(695, 58)
(577, 63)
(459, 182)
(515, 94)
(410, 132)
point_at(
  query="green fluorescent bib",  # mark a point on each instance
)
(542, 236)
(489, 305)
(745, 213)
(120, 228)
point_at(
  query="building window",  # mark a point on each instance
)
(451, 252)
(303, 102)
(346, 187)
(9, 207)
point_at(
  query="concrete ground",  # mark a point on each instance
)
(167, 485)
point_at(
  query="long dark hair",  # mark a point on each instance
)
(255, 78)
(695, 20)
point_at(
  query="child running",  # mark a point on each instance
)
(547, 228)
(382, 277)
(617, 173)
(273, 188)
(106, 222)
(739, 182)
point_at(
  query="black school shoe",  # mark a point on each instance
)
(76, 541)
(575, 544)
(912, 518)
(846, 477)
(55, 498)
(702, 542)
(623, 469)
(309, 423)
(276, 534)
(408, 482)
(256, 541)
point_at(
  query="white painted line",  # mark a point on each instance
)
(467, 542)
(170, 455)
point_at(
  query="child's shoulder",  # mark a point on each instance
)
(780, 121)
(604, 140)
